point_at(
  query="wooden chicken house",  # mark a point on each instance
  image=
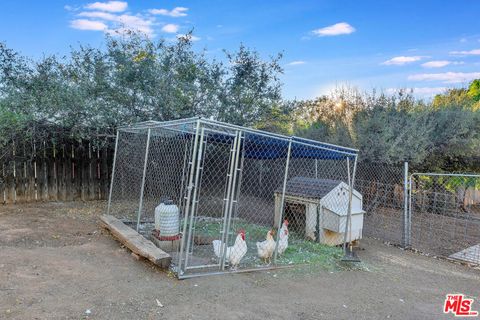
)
(320, 208)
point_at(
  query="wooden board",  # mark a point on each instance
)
(136, 242)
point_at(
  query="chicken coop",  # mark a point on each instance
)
(223, 198)
(320, 209)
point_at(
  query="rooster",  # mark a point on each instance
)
(283, 235)
(234, 253)
(265, 248)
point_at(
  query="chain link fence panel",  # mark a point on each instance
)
(382, 187)
(445, 215)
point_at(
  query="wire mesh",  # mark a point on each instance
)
(442, 217)
(445, 215)
(126, 184)
(382, 187)
(221, 198)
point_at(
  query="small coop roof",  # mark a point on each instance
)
(309, 187)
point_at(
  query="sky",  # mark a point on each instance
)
(384, 45)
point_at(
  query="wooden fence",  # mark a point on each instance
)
(62, 171)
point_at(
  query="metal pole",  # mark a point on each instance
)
(348, 226)
(405, 204)
(351, 193)
(194, 199)
(409, 216)
(113, 174)
(142, 188)
(316, 168)
(232, 195)
(240, 177)
(349, 208)
(186, 170)
(227, 203)
(282, 206)
(187, 199)
(183, 176)
(317, 228)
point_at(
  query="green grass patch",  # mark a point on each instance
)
(305, 251)
(299, 251)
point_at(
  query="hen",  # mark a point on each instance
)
(283, 237)
(234, 253)
(265, 248)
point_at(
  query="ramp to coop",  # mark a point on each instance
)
(135, 242)
(470, 255)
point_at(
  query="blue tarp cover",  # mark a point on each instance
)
(261, 147)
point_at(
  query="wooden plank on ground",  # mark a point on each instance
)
(135, 242)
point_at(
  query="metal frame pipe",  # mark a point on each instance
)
(187, 198)
(351, 182)
(194, 198)
(406, 193)
(232, 195)
(227, 202)
(282, 205)
(113, 174)
(142, 187)
(240, 177)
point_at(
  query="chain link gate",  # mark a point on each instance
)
(444, 215)
(246, 199)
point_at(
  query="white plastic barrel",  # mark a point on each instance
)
(167, 219)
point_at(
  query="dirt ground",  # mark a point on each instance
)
(56, 263)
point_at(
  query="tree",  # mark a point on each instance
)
(251, 90)
(474, 90)
(452, 98)
(136, 79)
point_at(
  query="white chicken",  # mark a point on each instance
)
(265, 248)
(283, 238)
(234, 253)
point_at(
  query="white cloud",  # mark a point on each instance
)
(137, 23)
(474, 52)
(296, 63)
(170, 28)
(334, 30)
(110, 6)
(120, 23)
(399, 61)
(109, 16)
(99, 15)
(430, 91)
(175, 12)
(436, 64)
(188, 36)
(446, 77)
(83, 24)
